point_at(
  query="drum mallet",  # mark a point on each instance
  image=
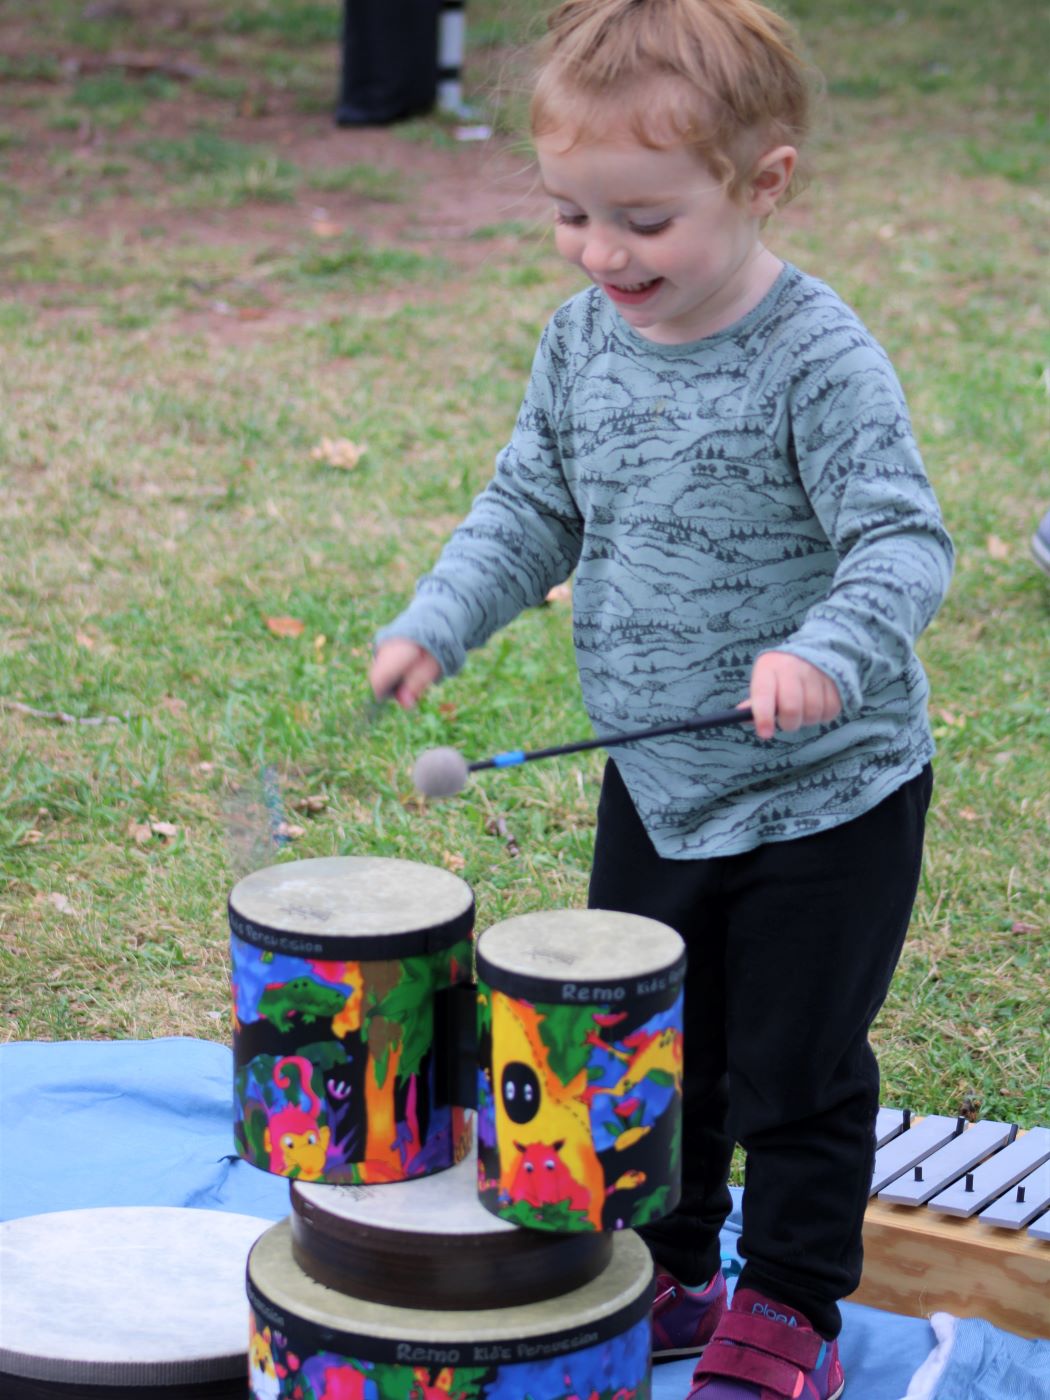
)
(444, 772)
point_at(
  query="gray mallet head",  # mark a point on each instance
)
(440, 773)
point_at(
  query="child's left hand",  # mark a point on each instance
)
(787, 692)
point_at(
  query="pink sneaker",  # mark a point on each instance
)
(762, 1350)
(684, 1319)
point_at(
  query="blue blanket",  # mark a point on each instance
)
(97, 1123)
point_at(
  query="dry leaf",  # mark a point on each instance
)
(560, 593)
(968, 814)
(167, 830)
(251, 313)
(1024, 928)
(31, 837)
(325, 228)
(83, 640)
(140, 832)
(290, 831)
(447, 708)
(312, 805)
(285, 626)
(339, 452)
(997, 548)
(61, 903)
(173, 704)
(452, 861)
(949, 718)
(205, 767)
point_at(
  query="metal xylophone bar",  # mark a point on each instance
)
(959, 1221)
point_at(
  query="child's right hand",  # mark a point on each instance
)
(402, 670)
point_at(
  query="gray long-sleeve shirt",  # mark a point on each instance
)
(758, 489)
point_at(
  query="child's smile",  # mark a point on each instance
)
(677, 255)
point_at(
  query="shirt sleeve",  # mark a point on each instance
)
(861, 469)
(522, 536)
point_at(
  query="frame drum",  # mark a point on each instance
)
(431, 1244)
(580, 1069)
(341, 970)
(125, 1303)
(593, 1340)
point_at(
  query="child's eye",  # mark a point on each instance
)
(646, 229)
(573, 220)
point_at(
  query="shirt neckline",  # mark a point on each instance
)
(788, 273)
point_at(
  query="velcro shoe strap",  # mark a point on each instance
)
(740, 1364)
(795, 1344)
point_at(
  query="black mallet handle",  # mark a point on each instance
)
(513, 757)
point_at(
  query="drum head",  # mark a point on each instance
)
(118, 1297)
(558, 955)
(354, 907)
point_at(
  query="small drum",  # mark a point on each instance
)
(580, 1069)
(341, 968)
(430, 1244)
(594, 1340)
(125, 1303)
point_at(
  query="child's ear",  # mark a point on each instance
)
(770, 178)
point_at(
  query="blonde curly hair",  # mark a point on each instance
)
(723, 77)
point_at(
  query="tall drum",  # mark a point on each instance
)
(342, 969)
(580, 1069)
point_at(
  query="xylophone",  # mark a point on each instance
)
(959, 1221)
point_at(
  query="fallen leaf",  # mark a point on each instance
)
(447, 708)
(997, 548)
(83, 640)
(140, 832)
(285, 626)
(320, 642)
(173, 704)
(63, 904)
(325, 228)
(560, 593)
(948, 717)
(312, 805)
(452, 861)
(167, 830)
(339, 452)
(1024, 928)
(205, 767)
(290, 831)
(31, 837)
(968, 814)
(251, 313)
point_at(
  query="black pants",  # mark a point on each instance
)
(791, 950)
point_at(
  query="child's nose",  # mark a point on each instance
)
(604, 254)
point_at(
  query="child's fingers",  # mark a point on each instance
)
(763, 697)
(402, 669)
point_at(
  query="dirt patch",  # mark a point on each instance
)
(79, 176)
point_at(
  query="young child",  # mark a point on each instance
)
(720, 450)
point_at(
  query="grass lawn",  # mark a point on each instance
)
(207, 288)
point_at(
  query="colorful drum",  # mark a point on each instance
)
(125, 1303)
(580, 1069)
(341, 971)
(309, 1340)
(431, 1244)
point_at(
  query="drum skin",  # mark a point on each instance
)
(580, 1070)
(338, 970)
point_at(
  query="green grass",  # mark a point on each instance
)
(159, 500)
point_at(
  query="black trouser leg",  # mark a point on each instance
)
(628, 875)
(792, 947)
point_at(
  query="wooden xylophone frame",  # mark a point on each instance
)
(918, 1261)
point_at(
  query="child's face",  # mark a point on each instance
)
(677, 255)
